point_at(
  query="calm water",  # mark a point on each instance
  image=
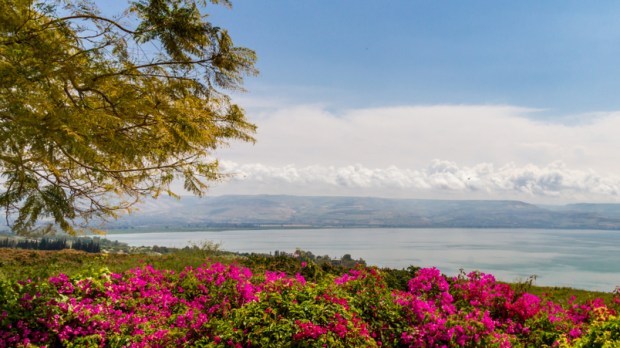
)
(577, 258)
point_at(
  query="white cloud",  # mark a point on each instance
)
(485, 152)
(483, 180)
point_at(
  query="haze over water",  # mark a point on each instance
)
(585, 259)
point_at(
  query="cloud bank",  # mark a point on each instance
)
(482, 180)
(444, 151)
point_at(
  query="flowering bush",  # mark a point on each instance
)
(292, 312)
(604, 332)
(218, 305)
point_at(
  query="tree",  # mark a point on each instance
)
(98, 112)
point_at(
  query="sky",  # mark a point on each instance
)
(429, 99)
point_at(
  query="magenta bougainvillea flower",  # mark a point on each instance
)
(219, 305)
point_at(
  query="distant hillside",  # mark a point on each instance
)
(289, 211)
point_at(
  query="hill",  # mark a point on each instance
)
(263, 211)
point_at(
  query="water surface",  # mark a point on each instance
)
(585, 259)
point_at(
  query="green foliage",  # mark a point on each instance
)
(369, 293)
(603, 333)
(295, 314)
(96, 114)
(396, 279)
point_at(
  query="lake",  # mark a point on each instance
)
(585, 259)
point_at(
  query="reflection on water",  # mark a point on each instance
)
(577, 258)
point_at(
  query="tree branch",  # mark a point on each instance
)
(91, 16)
(150, 65)
(144, 169)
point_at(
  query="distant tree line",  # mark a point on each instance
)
(85, 244)
(345, 261)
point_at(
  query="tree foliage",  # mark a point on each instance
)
(98, 111)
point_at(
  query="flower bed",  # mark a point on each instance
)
(220, 305)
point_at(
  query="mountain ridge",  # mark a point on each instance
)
(260, 211)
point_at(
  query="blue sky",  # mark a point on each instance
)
(561, 56)
(473, 99)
